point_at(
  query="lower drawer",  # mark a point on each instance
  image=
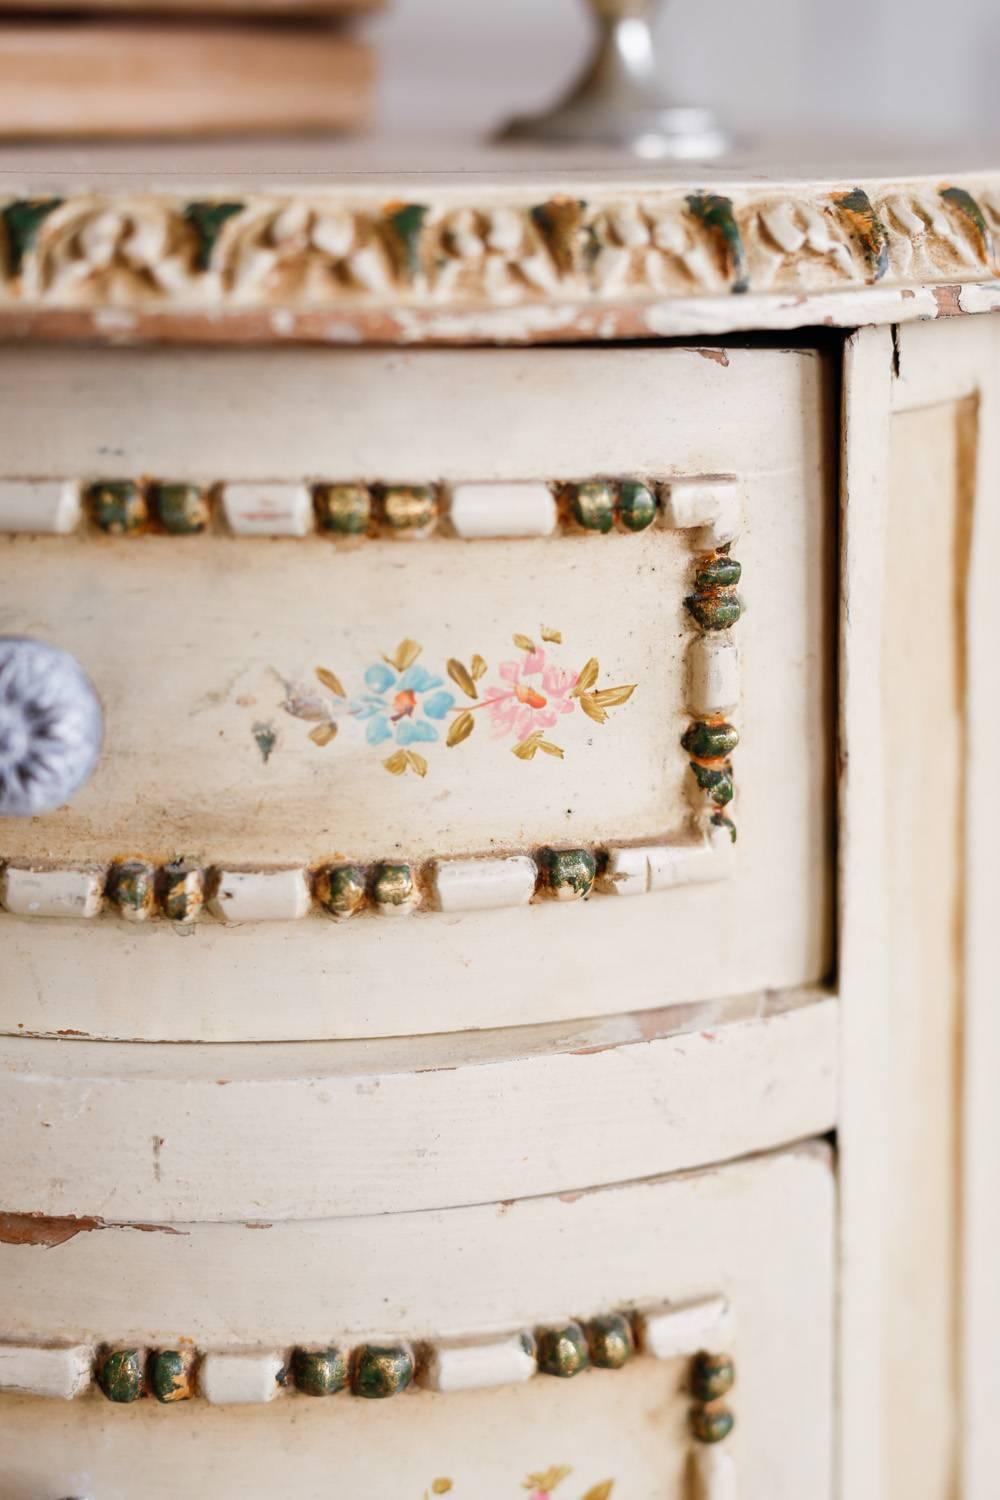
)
(474, 1313)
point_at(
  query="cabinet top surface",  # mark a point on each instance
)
(341, 242)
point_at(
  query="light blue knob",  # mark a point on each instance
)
(51, 727)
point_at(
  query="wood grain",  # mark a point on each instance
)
(105, 78)
(193, 8)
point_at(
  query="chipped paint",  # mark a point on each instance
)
(948, 301)
(39, 1229)
(35, 1229)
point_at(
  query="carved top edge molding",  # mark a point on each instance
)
(331, 249)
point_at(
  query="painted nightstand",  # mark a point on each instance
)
(495, 938)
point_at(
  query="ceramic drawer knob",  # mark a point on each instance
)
(51, 726)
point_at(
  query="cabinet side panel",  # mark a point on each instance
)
(924, 697)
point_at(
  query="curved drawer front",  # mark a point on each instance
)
(671, 1338)
(494, 643)
(318, 1130)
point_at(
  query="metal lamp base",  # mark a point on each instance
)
(619, 102)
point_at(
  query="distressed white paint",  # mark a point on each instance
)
(291, 606)
(230, 1378)
(476, 1364)
(635, 870)
(39, 505)
(261, 895)
(485, 510)
(383, 1104)
(273, 509)
(713, 673)
(39, 1370)
(51, 893)
(675, 1329)
(761, 1229)
(713, 1472)
(481, 884)
(710, 508)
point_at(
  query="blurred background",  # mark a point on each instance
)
(884, 71)
(872, 68)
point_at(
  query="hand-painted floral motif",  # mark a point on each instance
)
(533, 695)
(539, 1486)
(542, 1485)
(406, 704)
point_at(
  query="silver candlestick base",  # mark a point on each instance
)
(619, 100)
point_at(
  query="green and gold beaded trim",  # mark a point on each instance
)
(346, 509)
(714, 607)
(378, 1370)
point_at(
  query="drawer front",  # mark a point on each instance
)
(520, 682)
(507, 1334)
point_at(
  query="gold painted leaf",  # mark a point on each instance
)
(461, 675)
(323, 733)
(524, 643)
(588, 676)
(526, 749)
(396, 764)
(551, 749)
(548, 634)
(612, 697)
(416, 762)
(461, 728)
(600, 1491)
(593, 709)
(331, 680)
(406, 654)
(478, 667)
(441, 1486)
(549, 1478)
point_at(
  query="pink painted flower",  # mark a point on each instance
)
(532, 696)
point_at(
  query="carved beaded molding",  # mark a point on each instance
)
(709, 510)
(389, 1366)
(348, 510)
(329, 249)
(400, 1367)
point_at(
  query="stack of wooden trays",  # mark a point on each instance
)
(182, 67)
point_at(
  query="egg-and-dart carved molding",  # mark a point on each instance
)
(326, 250)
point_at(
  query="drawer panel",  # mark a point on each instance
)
(736, 1262)
(498, 737)
(309, 1131)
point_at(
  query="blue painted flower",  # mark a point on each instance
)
(404, 706)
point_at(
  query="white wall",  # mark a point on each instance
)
(875, 69)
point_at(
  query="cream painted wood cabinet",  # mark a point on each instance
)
(497, 723)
